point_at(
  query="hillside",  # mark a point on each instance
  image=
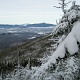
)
(34, 48)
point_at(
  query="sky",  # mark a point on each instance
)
(30, 11)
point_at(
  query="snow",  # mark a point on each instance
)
(71, 40)
(65, 68)
(76, 31)
(71, 44)
(72, 15)
(63, 25)
(31, 37)
(61, 39)
(68, 43)
(41, 32)
(60, 52)
(71, 66)
(60, 26)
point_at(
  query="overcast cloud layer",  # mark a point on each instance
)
(29, 11)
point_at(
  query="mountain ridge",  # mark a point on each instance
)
(27, 25)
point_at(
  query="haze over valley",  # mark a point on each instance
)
(16, 34)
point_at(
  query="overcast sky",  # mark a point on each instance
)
(29, 11)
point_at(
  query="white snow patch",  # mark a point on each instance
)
(71, 44)
(76, 31)
(61, 39)
(31, 37)
(41, 32)
(72, 15)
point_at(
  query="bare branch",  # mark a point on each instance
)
(56, 22)
(56, 7)
(68, 2)
(60, 3)
(62, 0)
(78, 6)
(65, 4)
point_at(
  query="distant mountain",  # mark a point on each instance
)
(8, 26)
(26, 25)
(40, 25)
